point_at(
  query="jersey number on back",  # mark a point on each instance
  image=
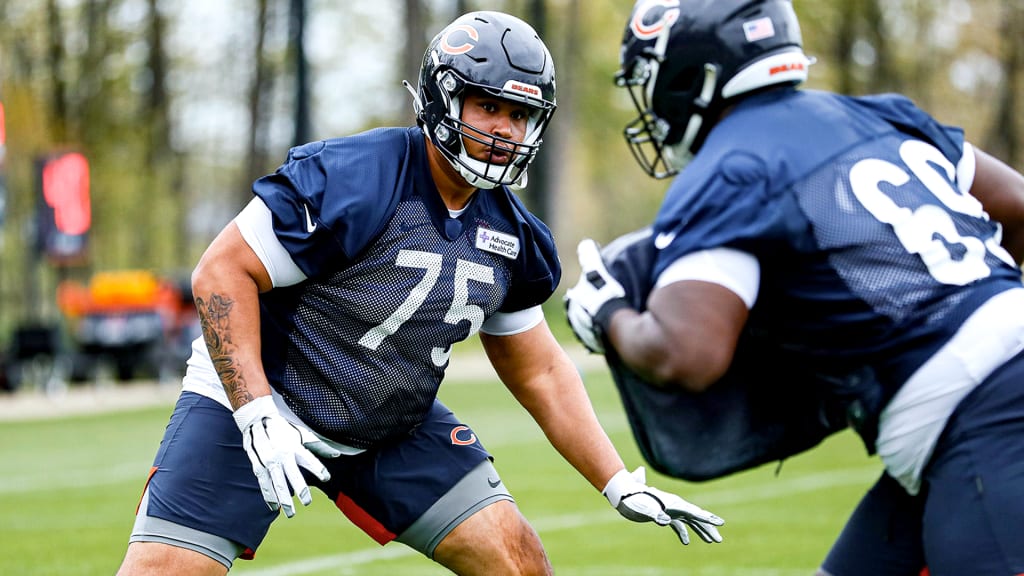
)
(929, 230)
(460, 309)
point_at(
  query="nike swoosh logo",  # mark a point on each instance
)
(310, 225)
(494, 483)
(662, 240)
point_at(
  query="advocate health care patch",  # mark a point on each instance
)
(498, 243)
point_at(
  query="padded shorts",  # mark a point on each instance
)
(202, 493)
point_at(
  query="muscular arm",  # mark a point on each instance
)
(1000, 189)
(226, 284)
(544, 380)
(686, 337)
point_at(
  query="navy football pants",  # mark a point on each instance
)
(969, 516)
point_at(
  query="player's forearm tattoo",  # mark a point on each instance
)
(214, 318)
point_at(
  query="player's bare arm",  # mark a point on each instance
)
(544, 380)
(214, 320)
(1000, 189)
(686, 337)
(226, 284)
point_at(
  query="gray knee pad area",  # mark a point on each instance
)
(150, 529)
(478, 489)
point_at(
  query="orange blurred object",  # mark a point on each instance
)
(117, 291)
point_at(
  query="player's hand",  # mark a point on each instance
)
(590, 304)
(276, 449)
(637, 501)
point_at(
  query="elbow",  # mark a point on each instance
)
(693, 373)
(212, 275)
(200, 279)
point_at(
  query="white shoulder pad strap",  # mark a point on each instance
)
(257, 226)
(509, 323)
(736, 270)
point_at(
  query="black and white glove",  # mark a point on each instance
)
(635, 500)
(589, 304)
(277, 448)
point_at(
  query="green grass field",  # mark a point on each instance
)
(71, 486)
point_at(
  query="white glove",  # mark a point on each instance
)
(630, 495)
(590, 304)
(277, 448)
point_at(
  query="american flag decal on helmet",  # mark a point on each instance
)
(759, 29)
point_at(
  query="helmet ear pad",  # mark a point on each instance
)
(690, 101)
(676, 100)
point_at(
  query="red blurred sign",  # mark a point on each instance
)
(64, 214)
(66, 191)
(3, 130)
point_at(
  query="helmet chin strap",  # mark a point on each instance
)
(520, 183)
(417, 105)
(473, 179)
(468, 164)
(678, 155)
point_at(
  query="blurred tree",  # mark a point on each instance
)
(842, 45)
(260, 88)
(156, 100)
(876, 30)
(163, 164)
(416, 18)
(55, 61)
(924, 65)
(862, 49)
(554, 173)
(602, 192)
(297, 48)
(1004, 137)
(537, 195)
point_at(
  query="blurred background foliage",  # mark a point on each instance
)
(179, 104)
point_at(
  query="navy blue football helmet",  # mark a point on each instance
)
(684, 61)
(502, 56)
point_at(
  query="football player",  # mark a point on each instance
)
(329, 308)
(857, 240)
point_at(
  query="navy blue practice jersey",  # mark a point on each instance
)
(871, 254)
(359, 348)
